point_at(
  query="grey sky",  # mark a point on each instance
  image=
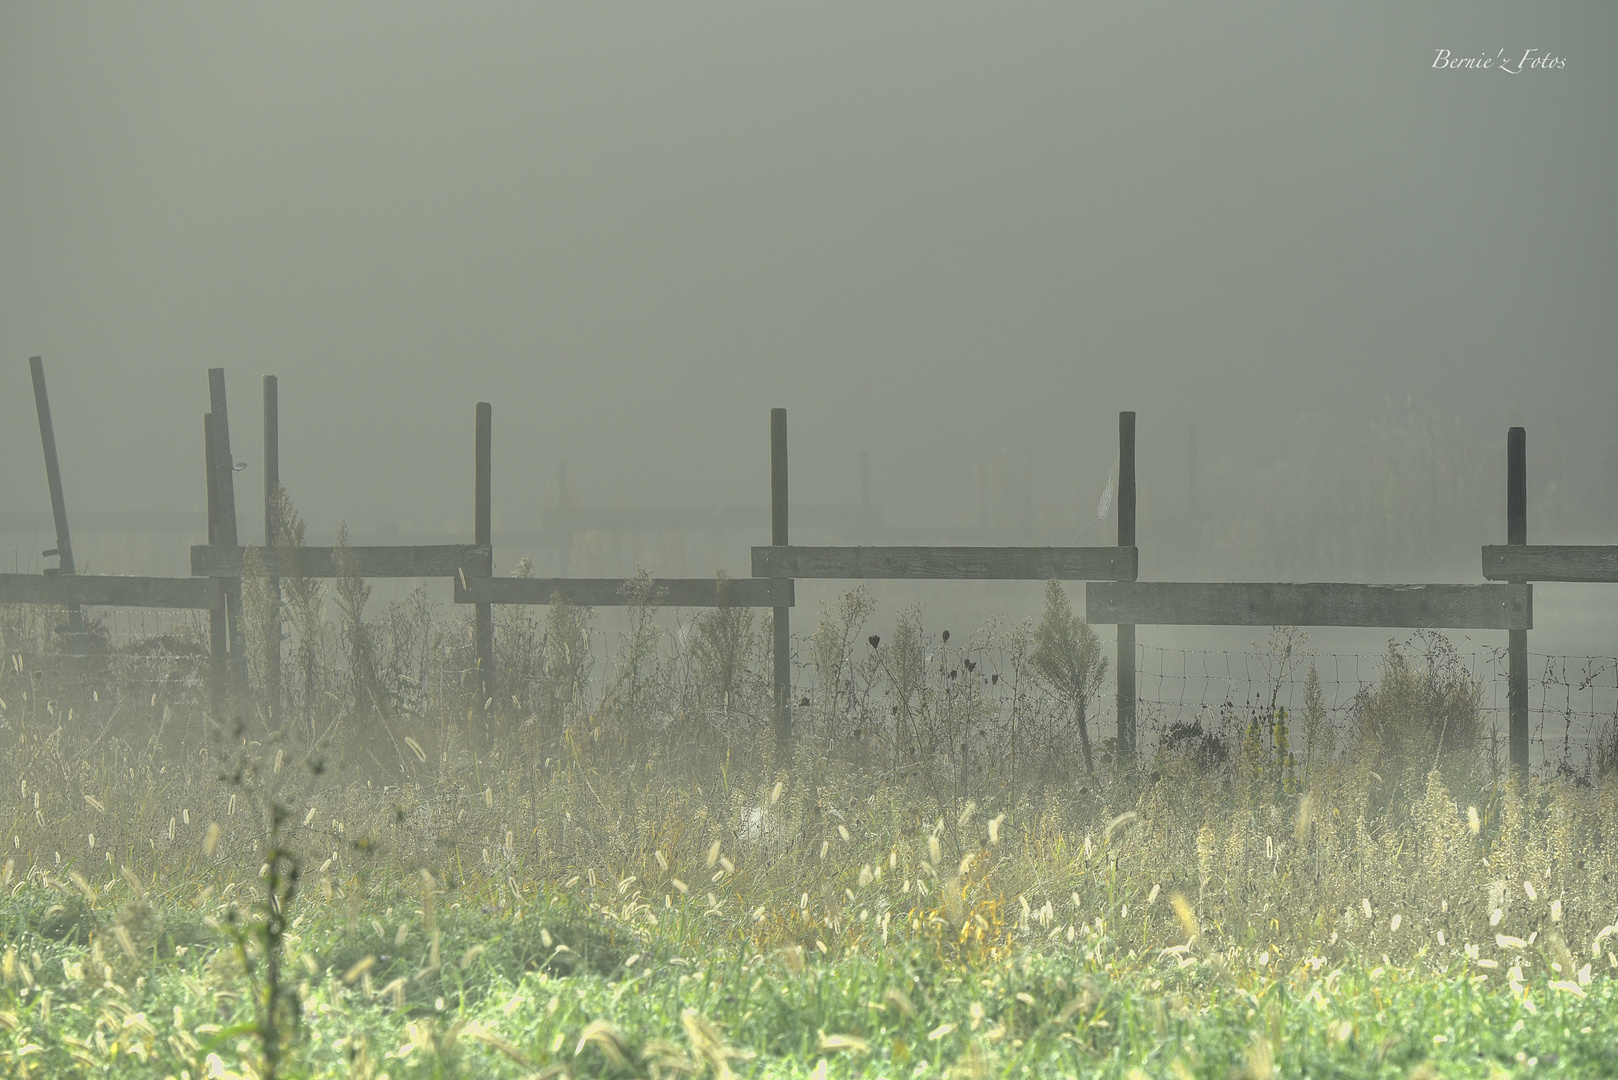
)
(931, 232)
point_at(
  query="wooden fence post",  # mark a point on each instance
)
(225, 481)
(1517, 651)
(1126, 633)
(782, 644)
(483, 634)
(272, 482)
(218, 642)
(53, 478)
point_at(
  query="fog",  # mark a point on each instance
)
(958, 240)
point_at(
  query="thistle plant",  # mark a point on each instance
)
(1068, 657)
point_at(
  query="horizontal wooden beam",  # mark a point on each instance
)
(1174, 603)
(715, 518)
(609, 592)
(105, 590)
(938, 563)
(1545, 562)
(106, 521)
(403, 561)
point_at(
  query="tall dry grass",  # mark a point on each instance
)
(937, 790)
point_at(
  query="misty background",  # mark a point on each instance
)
(955, 239)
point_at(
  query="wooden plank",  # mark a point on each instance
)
(1174, 603)
(386, 561)
(106, 521)
(704, 518)
(1550, 562)
(111, 591)
(608, 592)
(935, 563)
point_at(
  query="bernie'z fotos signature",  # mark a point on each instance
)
(1511, 65)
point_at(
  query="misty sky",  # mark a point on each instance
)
(935, 233)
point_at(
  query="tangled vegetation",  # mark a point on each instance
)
(605, 869)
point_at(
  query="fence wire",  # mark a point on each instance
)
(160, 656)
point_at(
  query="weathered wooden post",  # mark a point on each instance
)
(1517, 651)
(53, 477)
(1126, 634)
(272, 528)
(564, 521)
(218, 641)
(225, 487)
(782, 644)
(482, 534)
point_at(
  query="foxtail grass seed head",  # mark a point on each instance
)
(842, 831)
(1117, 823)
(1151, 897)
(1473, 824)
(210, 840)
(1187, 917)
(1528, 888)
(994, 828)
(662, 862)
(775, 795)
(966, 814)
(935, 851)
(310, 816)
(712, 856)
(488, 797)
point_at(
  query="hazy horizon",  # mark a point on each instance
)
(959, 240)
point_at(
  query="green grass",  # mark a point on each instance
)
(558, 987)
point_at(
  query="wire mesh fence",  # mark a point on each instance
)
(157, 659)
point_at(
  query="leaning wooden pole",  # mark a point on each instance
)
(1517, 652)
(225, 488)
(53, 477)
(272, 530)
(1126, 633)
(781, 645)
(483, 633)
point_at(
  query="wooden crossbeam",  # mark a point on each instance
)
(608, 592)
(1546, 562)
(110, 591)
(1174, 603)
(715, 518)
(417, 561)
(939, 563)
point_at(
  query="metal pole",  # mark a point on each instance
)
(782, 643)
(1126, 634)
(53, 477)
(1517, 651)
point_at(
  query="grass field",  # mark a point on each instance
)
(619, 873)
